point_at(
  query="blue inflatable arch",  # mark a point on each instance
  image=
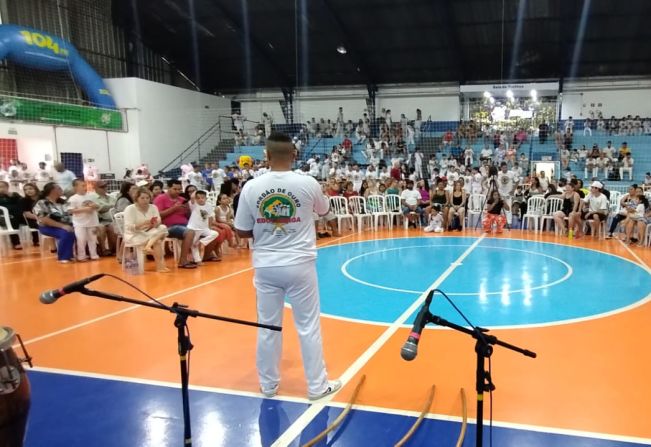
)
(39, 50)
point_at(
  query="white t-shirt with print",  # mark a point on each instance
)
(86, 219)
(278, 208)
(200, 216)
(505, 182)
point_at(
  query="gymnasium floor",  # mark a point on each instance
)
(106, 373)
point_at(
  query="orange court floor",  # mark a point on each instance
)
(590, 377)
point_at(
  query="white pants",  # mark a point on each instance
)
(203, 237)
(86, 236)
(587, 130)
(419, 170)
(299, 284)
(627, 170)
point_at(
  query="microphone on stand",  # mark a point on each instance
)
(409, 350)
(50, 296)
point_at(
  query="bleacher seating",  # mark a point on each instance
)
(639, 144)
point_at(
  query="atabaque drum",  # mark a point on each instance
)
(14, 392)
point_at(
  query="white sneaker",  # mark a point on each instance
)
(269, 392)
(333, 387)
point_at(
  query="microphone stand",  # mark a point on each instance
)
(182, 313)
(483, 349)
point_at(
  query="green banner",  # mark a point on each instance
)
(46, 112)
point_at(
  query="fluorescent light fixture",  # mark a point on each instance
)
(534, 94)
(509, 94)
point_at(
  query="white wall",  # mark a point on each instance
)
(167, 119)
(163, 120)
(253, 110)
(611, 97)
(441, 102)
(34, 143)
(92, 144)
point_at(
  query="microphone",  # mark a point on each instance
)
(50, 296)
(410, 348)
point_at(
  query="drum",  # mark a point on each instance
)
(14, 392)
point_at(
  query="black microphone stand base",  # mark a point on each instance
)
(484, 349)
(181, 313)
(483, 383)
(184, 347)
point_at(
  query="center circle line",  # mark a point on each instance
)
(344, 271)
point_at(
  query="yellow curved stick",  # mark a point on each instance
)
(414, 427)
(341, 416)
(464, 415)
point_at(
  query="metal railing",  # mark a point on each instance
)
(192, 153)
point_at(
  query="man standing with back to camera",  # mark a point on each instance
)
(276, 210)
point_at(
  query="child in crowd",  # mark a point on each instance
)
(225, 220)
(435, 220)
(84, 220)
(202, 221)
(493, 213)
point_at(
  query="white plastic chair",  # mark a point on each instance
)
(376, 205)
(211, 198)
(358, 208)
(475, 203)
(535, 211)
(175, 244)
(339, 206)
(552, 204)
(6, 231)
(647, 235)
(615, 197)
(393, 207)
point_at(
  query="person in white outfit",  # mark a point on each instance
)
(42, 175)
(84, 220)
(202, 222)
(435, 220)
(626, 167)
(418, 163)
(276, 210)
(238, 121)
(142, 227)
(266, 121)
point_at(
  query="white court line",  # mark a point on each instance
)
(129, 308)
(304, 419)
(639, 260)
(368, 408)
(134, 307)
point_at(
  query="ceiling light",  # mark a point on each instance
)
(492, 100)
(534, 94)
(509, 94)
(341, 49)
(487, 95)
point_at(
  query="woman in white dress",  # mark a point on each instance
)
(142, 226)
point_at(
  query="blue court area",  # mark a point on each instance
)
(73, 411)
(502, 282)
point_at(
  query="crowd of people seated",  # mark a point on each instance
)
(625, 126)
(151, 211)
